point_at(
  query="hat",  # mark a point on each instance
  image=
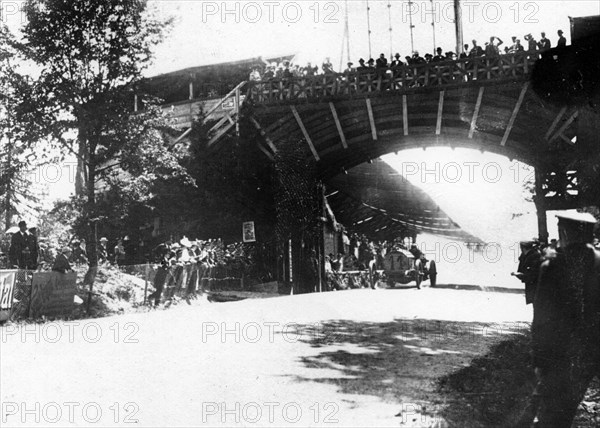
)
(185, 242)
(103, 239)
(370, 60)
(528, 244)
(22, 223)
(361, 60)
(577, 217)
(65, 249)
(560, 31)
(397, 55)
(350, 63)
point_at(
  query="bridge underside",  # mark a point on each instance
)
(505, 117)
(375, 200)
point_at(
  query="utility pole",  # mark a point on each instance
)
(410, 23)
(458, 27)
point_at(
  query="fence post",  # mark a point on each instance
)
(146, 283)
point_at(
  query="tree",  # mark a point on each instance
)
(90, 55)
(18, 152)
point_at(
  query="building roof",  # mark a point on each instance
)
(208, 80)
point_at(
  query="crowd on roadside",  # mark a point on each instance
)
(491, 49)
(23, 249)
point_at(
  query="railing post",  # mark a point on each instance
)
(237, 111)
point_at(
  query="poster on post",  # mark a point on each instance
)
(7, 285)
(248, 231)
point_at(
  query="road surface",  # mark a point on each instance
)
(349, 358)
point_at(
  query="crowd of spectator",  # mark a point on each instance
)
(491, 49)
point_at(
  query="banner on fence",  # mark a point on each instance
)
(7, 285)
(52, 294)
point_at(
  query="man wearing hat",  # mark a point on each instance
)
(349, 69)
(61, 263)
(529, 267)
(565, 330)
(362, 66)
(562, 42)
(23, 252)
(544, 44)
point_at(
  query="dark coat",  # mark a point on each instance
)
(566, 308)
(529, 266)
(23, 251)
(61, 264)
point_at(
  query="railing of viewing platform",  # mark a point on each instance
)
(432, 74)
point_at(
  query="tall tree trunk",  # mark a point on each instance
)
(9, 180)
(80, 181)
(91, 216)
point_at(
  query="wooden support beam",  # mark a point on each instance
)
(515, 112)
(305, 133)
(338, 125)
(219, 134)
(404, 115)
(264, 150)
(555, 122)
(438, 126)
(564, 126)
(476, 112)
(371, 119)
(566, 140)
(263, 133)
(182, 136)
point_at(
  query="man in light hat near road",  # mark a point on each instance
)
(61, 263)
(566, 324)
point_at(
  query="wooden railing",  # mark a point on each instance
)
(433, 74)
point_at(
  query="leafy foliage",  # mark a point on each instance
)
(91, 55)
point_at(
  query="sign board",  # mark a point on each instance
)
(7, 285)
(52, 294)
(248, 232)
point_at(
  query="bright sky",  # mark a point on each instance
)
(215, 31)
(480, 191)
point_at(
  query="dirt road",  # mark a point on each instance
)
(352, 358)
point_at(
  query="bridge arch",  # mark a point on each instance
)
(338, 133)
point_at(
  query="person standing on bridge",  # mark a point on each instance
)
(397, 62)
(381, 65)
(492, 50)
(544, 44)
(565, 330)
(562, 42)
(476, 51)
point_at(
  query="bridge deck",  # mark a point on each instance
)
(407, 78)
